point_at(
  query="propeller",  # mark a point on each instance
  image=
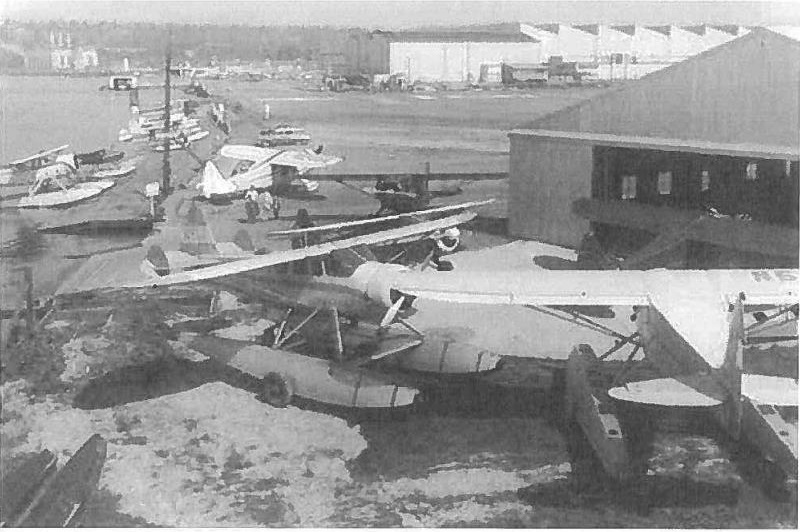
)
(390, 315)
(426, 262)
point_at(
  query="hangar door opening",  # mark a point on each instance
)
(671, 184)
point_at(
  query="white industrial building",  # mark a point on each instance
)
(607, 51)
(458, 57)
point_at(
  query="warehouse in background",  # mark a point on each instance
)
(699, 159)
(464, 57)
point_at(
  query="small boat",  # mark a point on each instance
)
(176, 144)
(59, 499)
(65, 196)
(283, 135)
(20, 484)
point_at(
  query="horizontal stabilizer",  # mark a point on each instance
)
(663, 392)
(777, 391)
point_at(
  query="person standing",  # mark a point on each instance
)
(251, 204)
(276, 206)
(268, 203)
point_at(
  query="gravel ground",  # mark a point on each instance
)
(190, 446)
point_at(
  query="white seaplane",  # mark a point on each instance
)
(238, 167)
(55, 187)
(691, 324)
(30, 163)
(331, 278)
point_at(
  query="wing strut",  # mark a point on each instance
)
(280, 341)
(582, 321)
(619, 344)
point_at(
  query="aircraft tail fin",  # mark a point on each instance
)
(213, 182)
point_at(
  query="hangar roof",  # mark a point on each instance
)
(742, 92)
(463, 36)
(663, 144)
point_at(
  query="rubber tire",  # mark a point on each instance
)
(276, 390)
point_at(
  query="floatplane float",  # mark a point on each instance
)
(337, 280)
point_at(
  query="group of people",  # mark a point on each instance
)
(254, 202)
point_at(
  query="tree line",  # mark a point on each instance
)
(196, 43)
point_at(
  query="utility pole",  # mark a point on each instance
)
(165, 169)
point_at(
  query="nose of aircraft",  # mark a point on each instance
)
(376, 279)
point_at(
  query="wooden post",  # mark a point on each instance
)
(30, 318)
(165, 169)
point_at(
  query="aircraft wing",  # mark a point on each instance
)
(534, 287)
(39, 155)
(603, 287)
(779, 391)
(694, 302)
(369, 221)
(304, 160)
(247, 153)
(124, 269)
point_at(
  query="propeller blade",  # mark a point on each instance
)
(426, 262)
(392, 312)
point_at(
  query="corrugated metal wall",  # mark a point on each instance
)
(455, 61)
(743, 91)
(545, 177)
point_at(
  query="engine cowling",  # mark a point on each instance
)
(375, 281)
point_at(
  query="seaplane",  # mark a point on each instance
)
(237, 167)
(692, 325)
(30, 163)
(338, 281)
(406, 193)
(56, 185)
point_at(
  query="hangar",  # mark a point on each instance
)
(704, 152)
(458, 56)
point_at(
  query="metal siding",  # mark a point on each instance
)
(545, 177)
(743, 92)
(453, 61)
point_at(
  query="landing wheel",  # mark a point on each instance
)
(276, 390)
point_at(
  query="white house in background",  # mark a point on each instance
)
(85, 58)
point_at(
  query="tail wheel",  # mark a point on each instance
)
(276, 390)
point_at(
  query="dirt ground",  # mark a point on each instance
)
(190, 445)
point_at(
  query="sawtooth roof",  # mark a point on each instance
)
(458, 36)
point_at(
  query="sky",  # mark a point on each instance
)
(399, 14)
